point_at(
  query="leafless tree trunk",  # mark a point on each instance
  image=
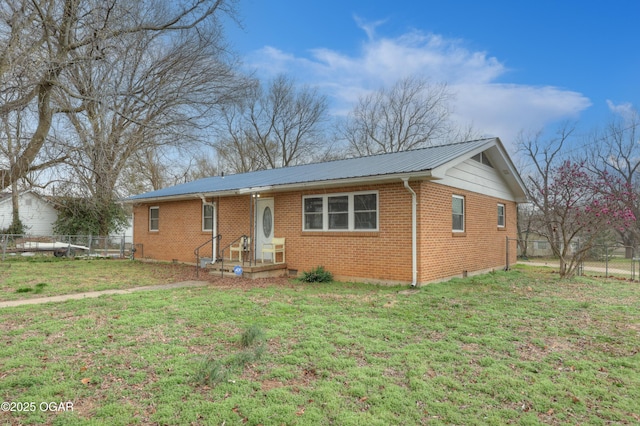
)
(526, 215)
(11, 144)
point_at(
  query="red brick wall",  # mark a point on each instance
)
(382, 256)
(180, 228)
(179, 233)
(445, 253)
(234, 219)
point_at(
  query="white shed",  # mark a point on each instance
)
(36, 213)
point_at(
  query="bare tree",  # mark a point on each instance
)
(42, 40)
(161, 166)
(147, 92)
(145, 171)
(616, 153)
(573, 206)
(412, 114)
(237, 145)
(276, 127)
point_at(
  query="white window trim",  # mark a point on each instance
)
(504, 215)
(213, 218)
(482, 159)
(464, 214)
(158, 209)
(351, 212)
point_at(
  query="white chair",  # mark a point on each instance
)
(274, 247)
(244, 244)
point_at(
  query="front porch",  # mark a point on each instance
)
(252, 270)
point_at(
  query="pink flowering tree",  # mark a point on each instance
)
(576, 208)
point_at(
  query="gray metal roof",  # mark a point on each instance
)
(405, 162)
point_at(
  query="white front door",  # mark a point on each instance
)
(264, 226)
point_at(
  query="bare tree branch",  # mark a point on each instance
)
(42, 41)
(411, 114)
(279, 126)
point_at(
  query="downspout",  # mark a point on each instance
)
(414, 232)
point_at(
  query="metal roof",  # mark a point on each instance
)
(375, 166)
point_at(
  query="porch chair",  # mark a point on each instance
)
(275, 246)
(240, 247)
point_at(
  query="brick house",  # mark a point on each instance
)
(407, 217)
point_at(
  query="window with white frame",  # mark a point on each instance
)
(313, 213)
(365, 211)
(355, 211)
(338, 212)
(457, 209)
(501, 216)
(154, 218)
(207, 217)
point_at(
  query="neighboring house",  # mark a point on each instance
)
(408, 217)
(537, 246)
(36, 213)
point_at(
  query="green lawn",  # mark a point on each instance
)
(516, 347)
(42, 276)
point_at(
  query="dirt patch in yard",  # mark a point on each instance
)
(179, 272)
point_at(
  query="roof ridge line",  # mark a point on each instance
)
(424, 148)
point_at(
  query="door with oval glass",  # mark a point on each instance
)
(264, 225)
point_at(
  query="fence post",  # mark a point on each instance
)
(606, 261)
(4, 245)
(633, 263)
(581, 264)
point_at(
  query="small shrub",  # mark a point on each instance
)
(317, 275)
(252, 336)
(213, 371)
(40, 288)
(16, 228)
(24, 290)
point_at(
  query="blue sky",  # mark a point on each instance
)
(513, 65)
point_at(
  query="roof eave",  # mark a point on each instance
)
(180, 197)
(425, 174)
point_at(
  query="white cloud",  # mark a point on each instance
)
(493, 107)
(368, 27)
(625, 110)
(505, 109)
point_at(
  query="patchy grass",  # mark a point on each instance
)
(41, 276)
(519, 347)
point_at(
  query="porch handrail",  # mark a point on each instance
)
(243, 236)
(197, 252)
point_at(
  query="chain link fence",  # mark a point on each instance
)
(114, 246)
(615, 261)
